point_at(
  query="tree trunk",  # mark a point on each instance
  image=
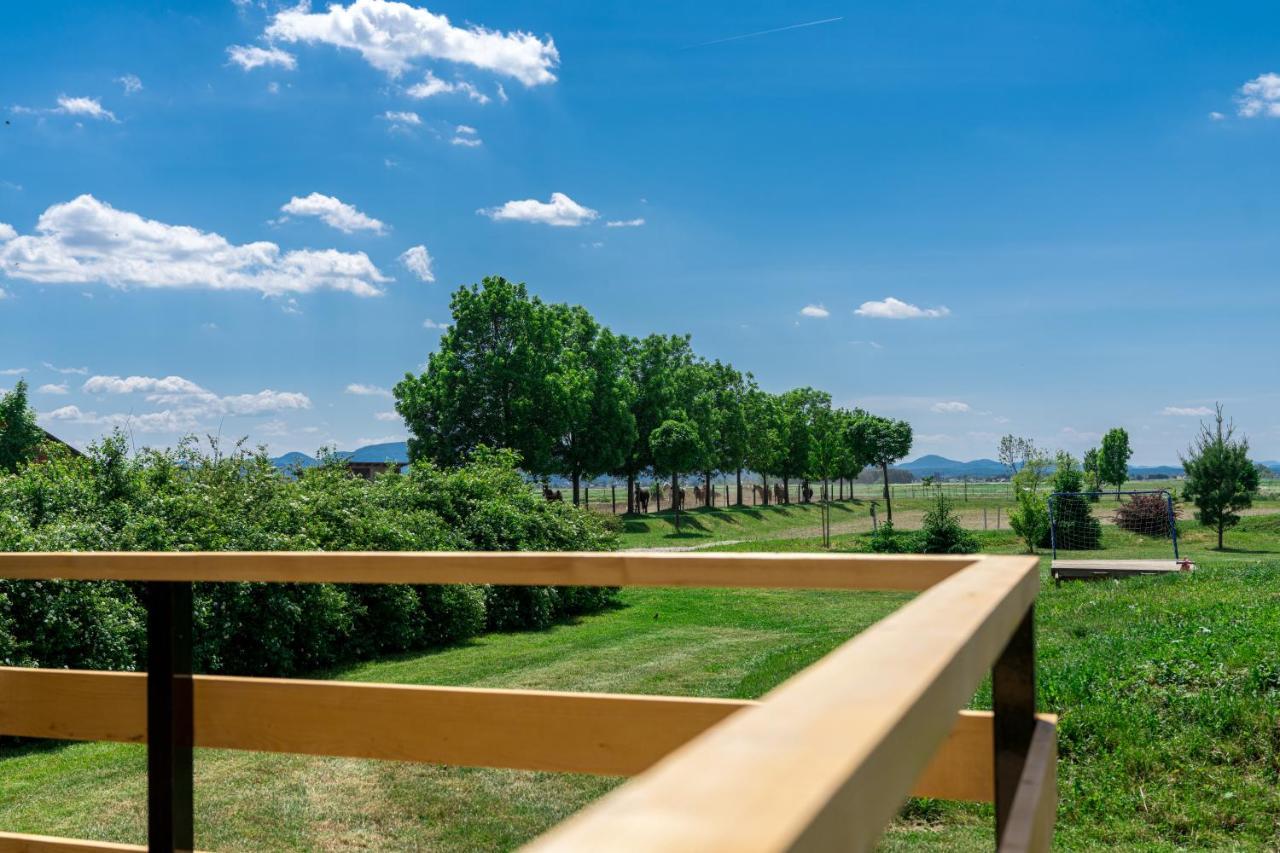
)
(631, 493)
(577, 479)
(675, 498)
(888, 499)
(1221, 525)
(764, 487)
(739, 487)
(786, 489)
(708, 495)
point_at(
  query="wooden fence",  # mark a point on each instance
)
(822, 762)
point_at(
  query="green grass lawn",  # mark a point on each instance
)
(1168, 690)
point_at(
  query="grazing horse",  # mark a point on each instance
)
(552, 496)
(808, 495)
(757, 493)
(642, 499)
(779, 493)
(697, 495)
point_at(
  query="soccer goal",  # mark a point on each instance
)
(1146, 522)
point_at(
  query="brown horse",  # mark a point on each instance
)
(779, 494)
(642, 499)
(555, 496)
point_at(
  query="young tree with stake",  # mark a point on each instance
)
(1221, 480)
(882, 442)
(1113, 461)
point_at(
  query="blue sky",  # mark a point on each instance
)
(1045, 218)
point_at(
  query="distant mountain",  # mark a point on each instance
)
(933, 465)
(1147, 472)
(293, 460)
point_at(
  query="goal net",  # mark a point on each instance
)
(1129, 525)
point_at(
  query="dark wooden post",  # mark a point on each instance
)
(1013, 700)
(170, 767)
(613, 496)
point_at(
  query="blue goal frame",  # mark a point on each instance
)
(1168, 497)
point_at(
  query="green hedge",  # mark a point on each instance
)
(188, 500)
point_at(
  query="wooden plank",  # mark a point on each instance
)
(16, 842)
(607, 734)
(1116, 568)
(670, 569)
(826, 760)
(589, 733)
(1035, 807)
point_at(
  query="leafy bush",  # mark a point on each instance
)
(885, 540)
(1074, 526)
(942, 533)
(191, 500)
(1030, 518)
(1145, 514)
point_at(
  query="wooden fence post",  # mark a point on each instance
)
(170, 719)
(1013, 701)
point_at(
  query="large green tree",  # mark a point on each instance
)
(591, 395)
(1221, 480)
(764, 436)
(654, 364)
(882, 442)
(492, 381)
(797, 409)
(1113, 458)
(20, 435)
(677, 448)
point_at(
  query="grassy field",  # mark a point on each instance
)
(1169, 691)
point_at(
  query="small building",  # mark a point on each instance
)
(370, 461)
(50, 438)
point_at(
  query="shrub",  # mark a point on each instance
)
(193, 500)
(1030, 518)
(942, 533)
(1074, 526)
(885, 540)
(1145, 514)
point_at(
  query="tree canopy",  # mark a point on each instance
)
(20, 435)
(574, 399)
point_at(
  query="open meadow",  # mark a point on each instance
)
(1168, 691)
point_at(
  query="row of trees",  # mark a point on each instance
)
(576, 400)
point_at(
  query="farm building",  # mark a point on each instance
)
(368, 462)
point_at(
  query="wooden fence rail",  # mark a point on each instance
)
(822, 762)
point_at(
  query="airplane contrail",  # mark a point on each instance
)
(767, 32)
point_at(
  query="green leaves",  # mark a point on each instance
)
(1221, 480)
(20, 435)
(1113, 458)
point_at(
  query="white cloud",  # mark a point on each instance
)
(361, 390)
(86, 240)
(1260, 96)
(140, 384)
(334, 213)
(950, 407)
(465, 129)
(814, 311)
(78, 371)
(189, 405)
(432, 324)
(387, 416)
(560, 211)
(7, 232)
(625, 223)
(88, 107)
(402, 117)
(391, 36)
(467, 141)
(131, 83)
(13, 371)
(1186, 411)
(896, 309)
(432, 85)
(872, 344)
(418, 261)
(1216, 116)
(51, 388)
(250, 57)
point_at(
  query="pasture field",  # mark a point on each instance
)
(1168, 690)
